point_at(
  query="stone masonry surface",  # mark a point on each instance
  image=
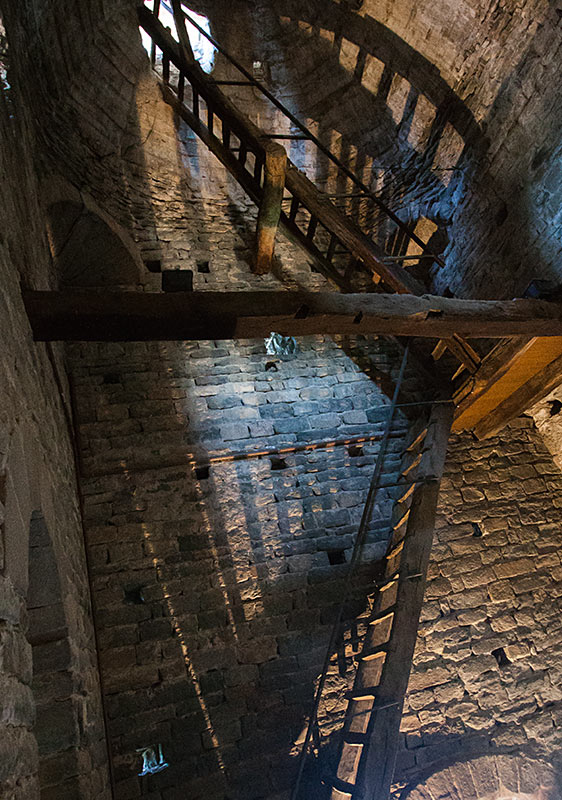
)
(216, 587)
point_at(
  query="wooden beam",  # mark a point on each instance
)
(270, 206)
(513, 376)
(349, 234)
(541, 384)
(376, 768)
(140, 316)
(317, 203)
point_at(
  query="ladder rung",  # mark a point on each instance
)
(355, 737)
(409, 490)
(368, 653)
(363, 693)
(383, 613)
(342, 786)
(438, 350)
(285, 136)
(382, 587)
(294, 208)
(412, 466)
(401, 519)
(418, 440)
(233, 83)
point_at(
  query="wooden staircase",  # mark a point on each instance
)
(333, 242)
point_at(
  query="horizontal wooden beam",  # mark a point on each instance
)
(535, 389)
(140, 316)
(515, 375)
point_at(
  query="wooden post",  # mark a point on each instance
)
(270, 207)
(376, 768)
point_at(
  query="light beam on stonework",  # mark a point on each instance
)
(156, 563)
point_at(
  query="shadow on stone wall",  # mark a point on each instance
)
(216, 590)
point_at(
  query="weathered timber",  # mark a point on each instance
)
(139, 316)
(497, 391)
(255, 139)
(270, 206)
(376, 766)
(249, 182)
(541, 384)
(358, 243)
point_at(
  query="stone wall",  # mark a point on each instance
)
(217, 581)
(51, 724)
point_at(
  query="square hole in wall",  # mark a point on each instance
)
(177, 280)
(501, 657)
(355, 450)
(202, 473)
(278, 463)
(154, 265)
(203, 266)
(134, 595)
(336, 556)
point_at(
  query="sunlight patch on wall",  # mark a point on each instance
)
(203, 50)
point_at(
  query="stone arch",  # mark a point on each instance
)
(489, 777)
(89, 248)
(56, 723)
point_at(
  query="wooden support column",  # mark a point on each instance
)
(376, 767)
(270, 206)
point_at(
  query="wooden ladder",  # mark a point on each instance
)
(372, 723)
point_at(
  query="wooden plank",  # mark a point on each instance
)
(539, 386)
(270, 207)
(139, 316)
(376, 769)
(395, 277)
(492, 367)
(362, 247)
(504, 372)
(241, 126)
